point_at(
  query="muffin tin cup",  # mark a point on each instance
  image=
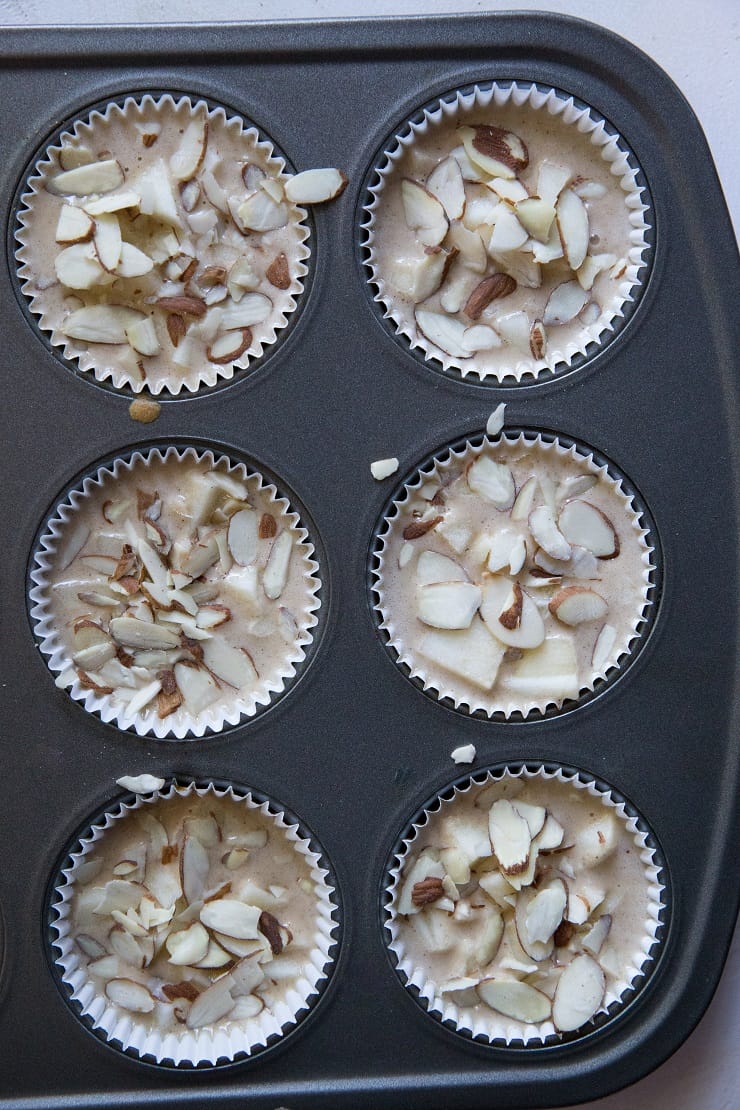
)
(435, 681)
(227, 1042)
(49, 304)
(180, 725)
(479, 103)
(487, 1026)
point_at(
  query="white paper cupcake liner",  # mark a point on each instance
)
(47, 299)
(180, 725)
(622, 165)
(487, 1025)
(444, 686)
(209, 1045)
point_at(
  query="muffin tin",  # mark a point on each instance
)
(353, 748)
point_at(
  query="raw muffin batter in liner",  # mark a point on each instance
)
(511, 576)
(157, 245)
(518, 924)
(194, 924)
(506, 232)
(175, 592)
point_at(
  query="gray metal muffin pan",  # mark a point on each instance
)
(354, 749)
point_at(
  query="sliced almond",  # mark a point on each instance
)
(490, 289)
(93, 177)
(522, 506)
(443, 331)
(188, 946)
(78, 267)
(137, 634)
(188, 158)
(418, 277)
(253, 308)
(383, 468)
(448, 604)
(510, 837)
(538, 340)
(72, 543)
(315, 186)
(511, 190)
(242, 536)
(536, 216)
(589, 190)
(276, 572)
(579, 994)
(586, 525)
(107, 240)
(497, 152)
(516, 1000)
(515, 327)
(546, 533)
(101, 323)
(259, 212)
(201, 556)
(433, 567)
(498, 599)
(183, 305)
(492, 481)
(194, 868)
(521, 266)
(278, 272)
(592, 266)
(545, 911)
(577, 605)
(572, 487)
(424, 213)
(230, 346)
(198, 688)
(73, 155)
(74, 225)
(446, 183)
(508, 234)
(564, 304)
(550, 251)
(230, 664)
(133, 263)
(499, 549)
(232, 918)
(495, 422)
(551, 180)
(603, 647)
(130, 996)
(572, 217)
(211, 1006)
(91, 947)
(157, 198)
(481, 338)
(142, 337)
(470, 246)
(128, 948)
(551, 834)
(595, 938)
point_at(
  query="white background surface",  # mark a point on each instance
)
(697, 43)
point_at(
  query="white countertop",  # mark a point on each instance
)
(698, 45)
